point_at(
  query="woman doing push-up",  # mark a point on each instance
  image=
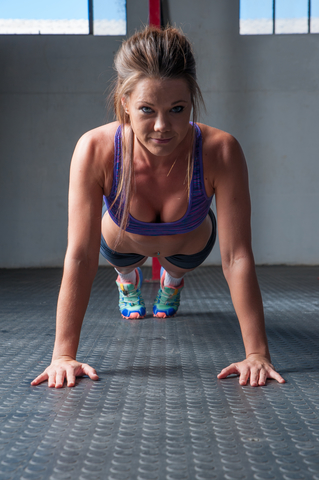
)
(155, 171)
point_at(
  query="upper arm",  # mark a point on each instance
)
(87, 180)
(230, 183)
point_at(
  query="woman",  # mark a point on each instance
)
(158, 173)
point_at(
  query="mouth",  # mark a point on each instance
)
(162, 141)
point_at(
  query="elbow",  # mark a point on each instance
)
(82, 262)
(237, 264)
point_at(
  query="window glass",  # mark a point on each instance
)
(62, 17)
(314, 25)
(291, 16)
(109, 17)
(256, 17)
(44, 16)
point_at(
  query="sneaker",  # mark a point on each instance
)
(167, 301)
(131, 303)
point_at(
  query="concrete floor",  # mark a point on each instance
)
(158, 411)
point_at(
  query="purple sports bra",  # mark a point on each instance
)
(198, 204)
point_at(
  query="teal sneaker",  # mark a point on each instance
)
(168, 298)
(131, 303)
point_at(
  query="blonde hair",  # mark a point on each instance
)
(150, 53)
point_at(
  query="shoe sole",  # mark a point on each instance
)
(162, 315)
(133, 316)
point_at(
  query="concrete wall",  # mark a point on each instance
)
(53, 88)
(262, 89)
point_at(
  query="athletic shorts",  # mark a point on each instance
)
(182, 261)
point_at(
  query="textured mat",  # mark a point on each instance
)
(158, 411)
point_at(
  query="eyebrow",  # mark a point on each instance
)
(174, 103)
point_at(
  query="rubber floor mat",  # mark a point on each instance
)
(158, 410)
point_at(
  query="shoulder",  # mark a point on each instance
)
(93, 155)
(97, 143)
(222, 153)
(218, 144)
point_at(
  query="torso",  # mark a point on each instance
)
(160, 197)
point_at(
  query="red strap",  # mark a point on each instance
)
(154, 9)
(156, 269)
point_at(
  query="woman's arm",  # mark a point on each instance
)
(230, 182)
(80, 265)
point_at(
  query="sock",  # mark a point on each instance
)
(127, 277)
(170, 281)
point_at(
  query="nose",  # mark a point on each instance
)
(162, 123)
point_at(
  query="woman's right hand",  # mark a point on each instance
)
(64, 368)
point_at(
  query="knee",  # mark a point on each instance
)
(129, 268)
(174, 271)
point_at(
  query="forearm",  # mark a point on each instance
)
(243, 285)
(72, 303)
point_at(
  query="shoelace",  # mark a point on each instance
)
(130, 295)
(168, 296)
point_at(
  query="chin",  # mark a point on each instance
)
(161, 150)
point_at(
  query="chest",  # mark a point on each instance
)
(160, 196)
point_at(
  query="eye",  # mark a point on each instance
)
(146, 109)
(177, 109)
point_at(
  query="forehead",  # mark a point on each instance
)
(156, 88)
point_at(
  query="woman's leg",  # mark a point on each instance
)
(129, 283)
(129, 280)
(171, 284)
(131, 303)
(173, 270)
(125, 271)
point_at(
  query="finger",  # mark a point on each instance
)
(275, 375)
(89, 371)
(51, 380)
(70, 377)
(254, 376)
(244, 375)
(60, 376)
(228, 371)
(263, 375)
(40, 378)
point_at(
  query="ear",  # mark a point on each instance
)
(125, 105)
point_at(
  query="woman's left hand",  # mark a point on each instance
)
(256, 369)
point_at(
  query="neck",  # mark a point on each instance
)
(143, 155)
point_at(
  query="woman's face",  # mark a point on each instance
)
(159, 112)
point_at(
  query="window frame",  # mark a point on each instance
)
(274, 20)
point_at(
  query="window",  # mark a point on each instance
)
(279, 16)
(109, 17)
(256, 16)
(98, 17)
(314, 14)
(291, 16)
